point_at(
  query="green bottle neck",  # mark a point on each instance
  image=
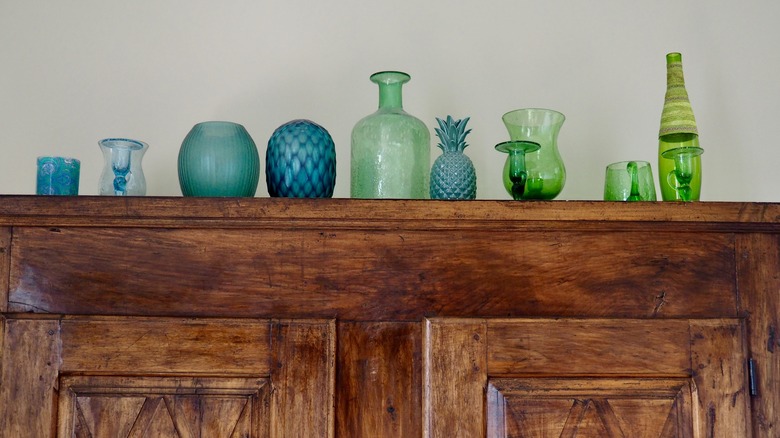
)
(390, 96)
(674, 71)
(390, 83)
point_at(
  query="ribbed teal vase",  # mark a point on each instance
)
(391, 149)
(218, 159)
(300, 161)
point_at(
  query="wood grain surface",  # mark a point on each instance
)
(29, 364)
(379, 374)
(387, 318)
(401, 275)
(759, 287)
(492, 377)
(280, 213)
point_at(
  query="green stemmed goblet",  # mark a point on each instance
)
(517, 171)
(680, 178)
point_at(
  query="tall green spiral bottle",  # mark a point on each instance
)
(679, 153)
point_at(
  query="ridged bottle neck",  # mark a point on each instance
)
(677, 116)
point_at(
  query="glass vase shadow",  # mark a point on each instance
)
(629, 181)
(218, 159)
(546, 173)
(122, 173)
(390, 149)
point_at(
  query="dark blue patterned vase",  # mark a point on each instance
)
(300, 161)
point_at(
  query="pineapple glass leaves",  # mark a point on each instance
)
(452, 134)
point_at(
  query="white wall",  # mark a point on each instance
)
(74, 72)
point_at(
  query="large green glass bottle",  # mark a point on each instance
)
(679, 153)
(391, 149)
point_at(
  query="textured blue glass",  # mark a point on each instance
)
(58, 176)
(300, 161)
(218, 159)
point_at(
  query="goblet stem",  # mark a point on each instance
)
(683, 170)
(517, 173)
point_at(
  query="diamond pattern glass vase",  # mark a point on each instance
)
(300, 161)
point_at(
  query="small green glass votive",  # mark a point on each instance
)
(629, 181)
(58, 176)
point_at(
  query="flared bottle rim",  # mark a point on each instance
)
(390, 77)
(123, 143)
(514, 116)
(673, 57)
(524, 146)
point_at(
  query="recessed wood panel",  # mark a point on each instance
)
(585, 346)
(166, 345)
(371, 275)
(631, 408)
(105, 406)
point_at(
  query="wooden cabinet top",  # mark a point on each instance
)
(374, 259)
(179, 212)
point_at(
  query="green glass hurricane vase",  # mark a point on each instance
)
(544, 169)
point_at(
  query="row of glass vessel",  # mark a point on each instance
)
(391, 149)
(390, 154)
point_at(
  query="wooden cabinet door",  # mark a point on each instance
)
(584, 378)
(165, 377)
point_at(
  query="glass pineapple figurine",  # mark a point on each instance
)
(453, 175)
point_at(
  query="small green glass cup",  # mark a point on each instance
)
(629, 181)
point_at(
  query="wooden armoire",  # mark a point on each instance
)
(205, 317)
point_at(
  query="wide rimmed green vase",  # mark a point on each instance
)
(544, 168)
